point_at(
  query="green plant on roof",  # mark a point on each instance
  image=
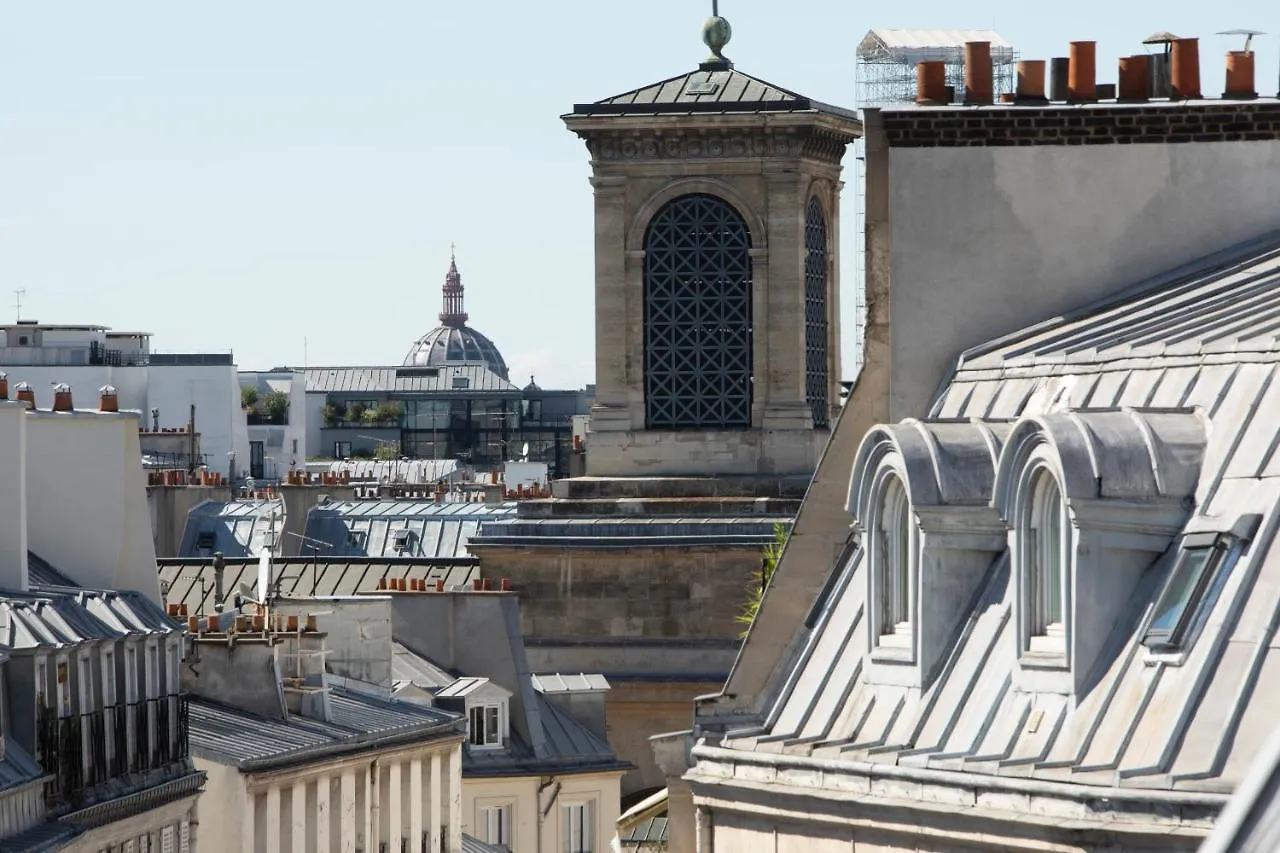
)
(760, 580)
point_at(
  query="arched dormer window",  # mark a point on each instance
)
(1043, 562)
(919, 494)
(1091, 498)
(892, 553)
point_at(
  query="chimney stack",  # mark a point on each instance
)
(62, 397)
(24, 394)
(1135, 78)
(1030, 81)
(977, 72)
(931, 83)
(1082, 72)
(1240, 75)
(107, 400)
(1186, 69)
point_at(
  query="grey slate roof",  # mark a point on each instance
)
(236, 528)
(367, 528)
(702, 91)
(409, 380)
(52, 618)
(180, 579)
(41, 572)
(231, 736)
(1202, 339)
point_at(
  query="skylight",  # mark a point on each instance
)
(1203, 565)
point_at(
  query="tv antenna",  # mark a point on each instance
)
(17, 305)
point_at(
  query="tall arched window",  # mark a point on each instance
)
(893, 559)
(697, 316)
(1045, 539)
(815, 314)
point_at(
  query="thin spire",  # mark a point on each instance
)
(453, 315)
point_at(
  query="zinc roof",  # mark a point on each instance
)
(1202, 339)
(237, 528)
(180, 580)
(557, 683)
(233, 736)
(708, 91)
(443, 380)
(368, 528)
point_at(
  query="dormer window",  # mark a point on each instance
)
(486, 726)
(1044, 560)
(891, 554)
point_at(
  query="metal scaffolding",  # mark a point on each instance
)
(887, 60)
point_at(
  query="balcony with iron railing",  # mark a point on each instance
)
(81, 752)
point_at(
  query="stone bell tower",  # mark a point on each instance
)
(717, 276)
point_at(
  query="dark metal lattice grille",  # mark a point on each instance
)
(816, 383)
(697, 316)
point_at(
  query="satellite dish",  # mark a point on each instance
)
(524, 452)
(248, 593)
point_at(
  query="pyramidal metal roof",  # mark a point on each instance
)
(708, 90)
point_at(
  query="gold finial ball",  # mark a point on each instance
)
(716, 33)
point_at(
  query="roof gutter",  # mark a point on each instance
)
(362, 743)
(956, 779)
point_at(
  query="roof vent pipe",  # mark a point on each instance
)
(1186, 69)
(977, 72)
(62, 397)
(1240, 75)
(107, 399)
(1030, 82)
(1082, 73)
(4, 385)
(1135, 79)
(25, 394)
(931, 83)
(1059, 73)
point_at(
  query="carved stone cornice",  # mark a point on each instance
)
(667, 144)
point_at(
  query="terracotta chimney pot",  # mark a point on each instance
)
(931, 83)
(439, 585)
(62, 398)
(977, 72)
(505, 585)
(4, 386)
(213, 623)
(193, 625)
(1135, 79)
(291, 624)
(108, 401)
(1240, 75)
(1082, 72)
(1031, 81)
(1186, 69)
(311, 622)
(476, 585)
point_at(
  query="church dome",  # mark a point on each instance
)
(454, 342)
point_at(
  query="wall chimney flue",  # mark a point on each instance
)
(1082, 72)
(1240, 75)
(1059, 75)
(24, 393)
(107, 399)
(977, 72)
(931, 83)
(1030, 81)
(1186, 69)
(1135, 79)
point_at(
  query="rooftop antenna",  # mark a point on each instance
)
(1248, 36)
(17, 305)
(524, 452)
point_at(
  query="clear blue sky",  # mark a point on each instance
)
(236, 175)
